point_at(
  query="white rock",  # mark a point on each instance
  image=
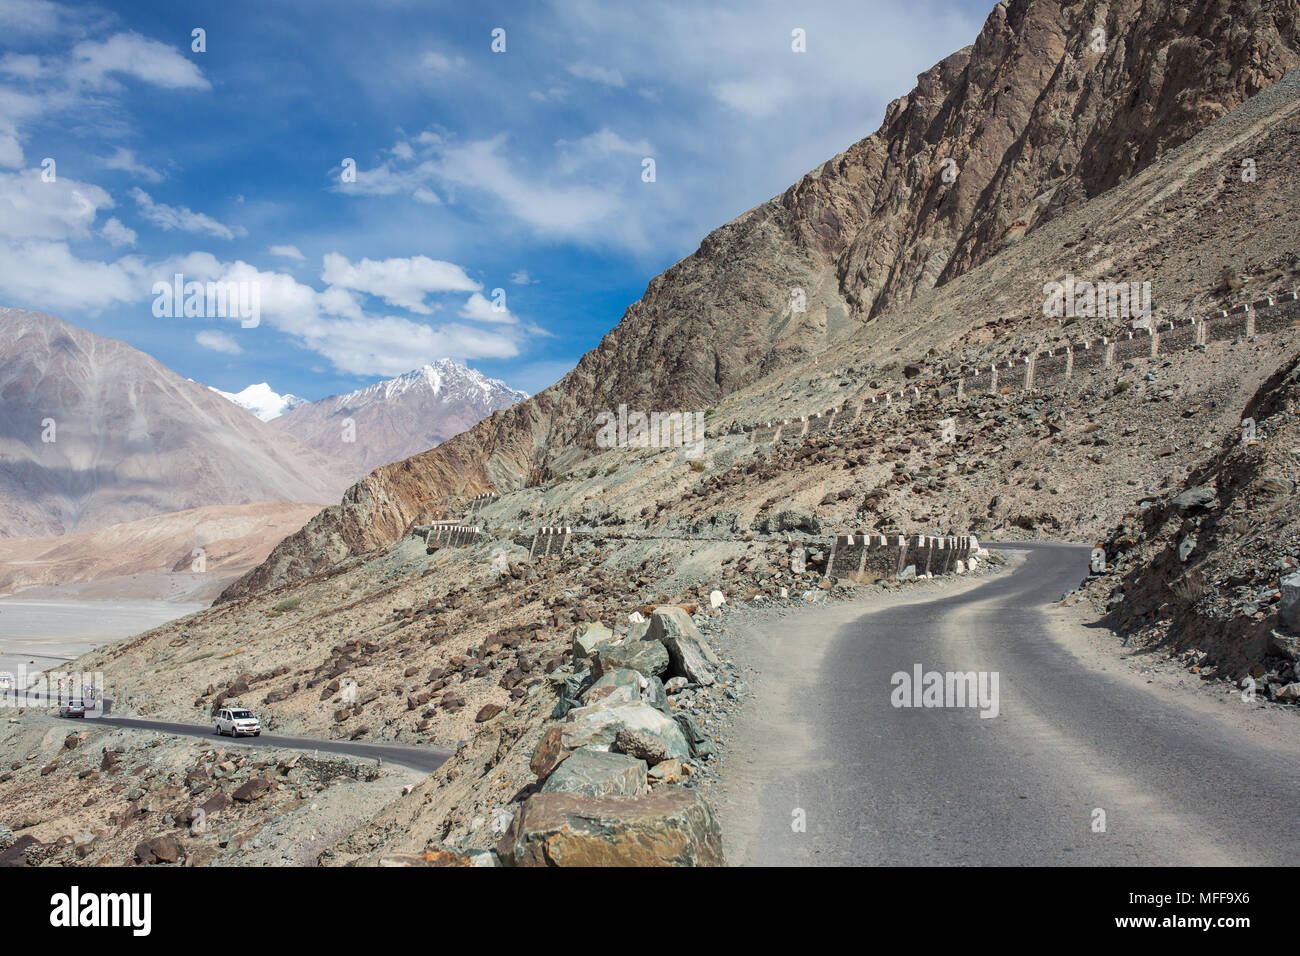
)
(716, 599)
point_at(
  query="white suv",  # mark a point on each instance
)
(237, 722)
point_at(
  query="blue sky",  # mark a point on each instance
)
(475, 170)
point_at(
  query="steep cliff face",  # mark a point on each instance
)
(1041, 113)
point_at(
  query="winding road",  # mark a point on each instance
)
(828, 771)
(424, 759)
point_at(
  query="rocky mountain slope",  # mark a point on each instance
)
(353, 628)
(94, 432)
(391, 420)
(1040, 114)
(1208, 570)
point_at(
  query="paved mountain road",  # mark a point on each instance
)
(424, 759)
(873, 783)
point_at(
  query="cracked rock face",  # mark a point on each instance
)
(672, 827)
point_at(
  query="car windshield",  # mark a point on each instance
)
(240, 715)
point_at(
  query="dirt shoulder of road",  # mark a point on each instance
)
(1074, 627)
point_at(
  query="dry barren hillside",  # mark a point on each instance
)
(475, 643)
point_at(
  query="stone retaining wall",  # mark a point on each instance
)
(453, 536)
(888, 555)
(1058, 365)
(551, 541)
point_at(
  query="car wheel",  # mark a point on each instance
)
(257, 733)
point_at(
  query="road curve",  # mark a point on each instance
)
(424, 759)
(866, 782)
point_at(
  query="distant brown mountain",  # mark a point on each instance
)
(397, 418)
(94, 432)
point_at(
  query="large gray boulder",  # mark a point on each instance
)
(1288, 645)
(689, 654)
(673, 827)
(616, 685)
(1289, 609)
(599, 773)
(791, 520)
(654, 694)
(1202, 496)
(587, 638)
(643, 746)
(598, 725)
(646, 657)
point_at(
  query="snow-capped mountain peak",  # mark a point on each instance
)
(263, 401)
(387, 420)
(445, 378)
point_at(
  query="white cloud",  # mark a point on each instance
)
(218, 342)
(601, 145)
(563, 200)
(24, 66)
(479, 309)
(118, 234)
(400, 282)
(562, 209)
(521, 278)
(63, 209)
(384, 180)
(130, 54)
(288, 252)
(124, 160)
(596, 74)
(11, 152)
(554, 94)
(179, 217)
(47, 276)
(338, 301)
(441, 63)
(332, 325)
(32, 17)
(756, 96)
(385, 346)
